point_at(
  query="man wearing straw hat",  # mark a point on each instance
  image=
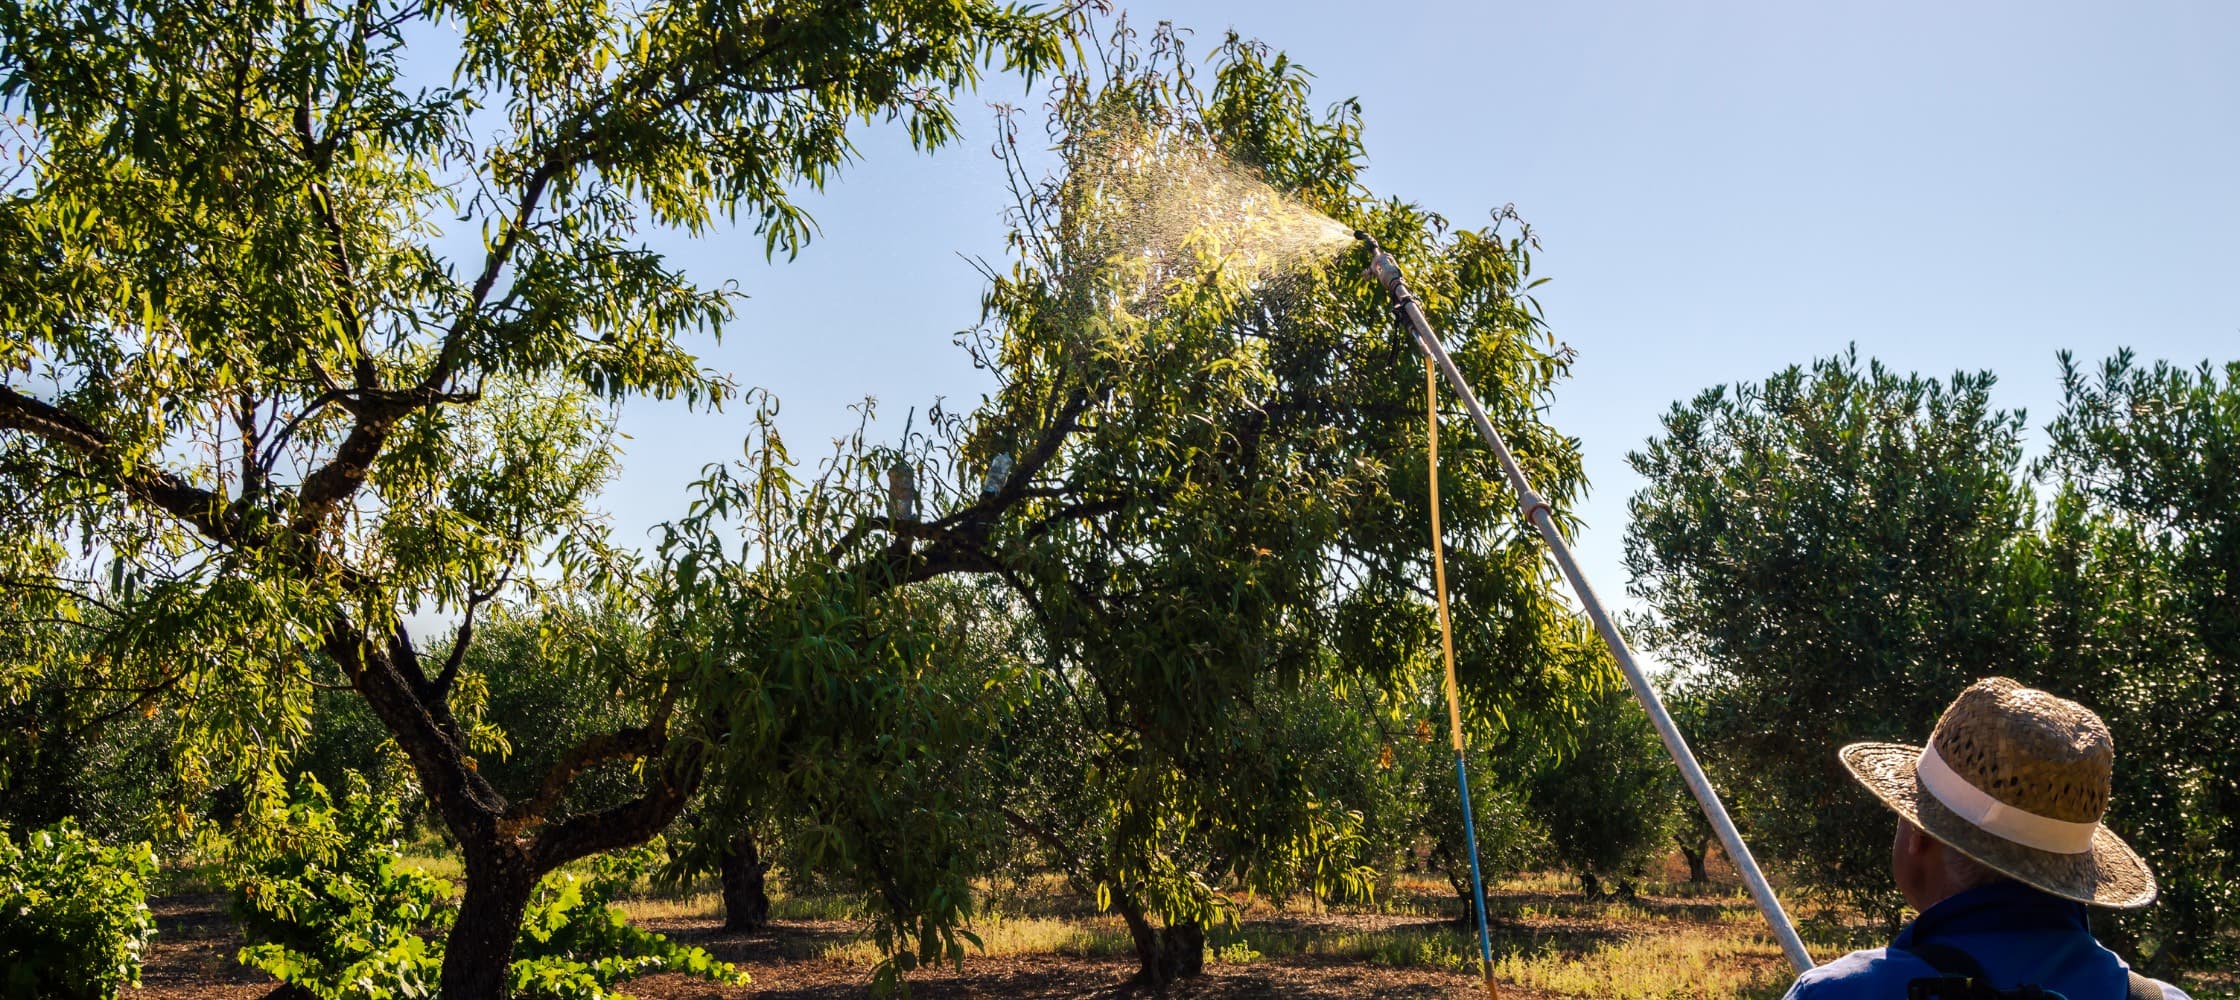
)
(1999, 847)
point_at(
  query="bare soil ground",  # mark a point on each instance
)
(192, 959)
(192, 954)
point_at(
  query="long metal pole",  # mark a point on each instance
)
(1535, 509)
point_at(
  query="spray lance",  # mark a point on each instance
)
(1535, 509)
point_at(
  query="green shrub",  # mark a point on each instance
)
(332, 912)
(73, 915)
(574, 945)
(1610, 804)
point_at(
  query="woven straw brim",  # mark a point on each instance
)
(2110, 875)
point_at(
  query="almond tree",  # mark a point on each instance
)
(1220, 490)
(255, 409)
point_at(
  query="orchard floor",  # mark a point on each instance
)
(1550, 941)
(801, 960)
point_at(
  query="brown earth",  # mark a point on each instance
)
(192, 959)
(192, 954)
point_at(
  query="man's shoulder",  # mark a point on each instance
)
(1878, 973)
(1869, 973)
(2170, 992)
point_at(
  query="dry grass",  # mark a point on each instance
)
(1016, 937)
(1094, 937)
(1548, 939)
(696, 906)
(1679, 962)
(444, 866)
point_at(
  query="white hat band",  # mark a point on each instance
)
(1978, 807)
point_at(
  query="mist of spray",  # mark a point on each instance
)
(1164, 209)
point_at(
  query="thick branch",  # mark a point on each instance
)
(164, 490)
(459, 641)
(466, 800)
(968, 525)
(621, 744)
(1045, 448)
(325, 490)
(624, 825)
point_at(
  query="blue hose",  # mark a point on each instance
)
(1477, 881)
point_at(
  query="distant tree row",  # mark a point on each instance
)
(1833, 553)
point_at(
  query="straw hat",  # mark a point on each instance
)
(2017, 779)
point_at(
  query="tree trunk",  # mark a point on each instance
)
(1590, 885)
(1695, 856)
(746, 901)
(1469, 900)
(479, 951)
(1164, 955)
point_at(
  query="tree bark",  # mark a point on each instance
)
(1469, 900)
(1695, 856)
(746, 900)
(1164, 955)
(478, 954)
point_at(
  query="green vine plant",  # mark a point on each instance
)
(331, 910)
(73, 914)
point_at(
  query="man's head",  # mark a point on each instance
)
(2012, 784)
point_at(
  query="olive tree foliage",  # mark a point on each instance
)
(1691, 829)
(271, 411)
(2142, 619)
(1838, 552)
(1830, 553)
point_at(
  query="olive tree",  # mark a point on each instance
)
(278, 409)
(1609, 797)
(1840, 550)
(2142, 617)
(1831, 552)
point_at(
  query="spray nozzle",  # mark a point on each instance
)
(1384, 269)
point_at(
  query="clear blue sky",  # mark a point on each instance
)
(1722, 189)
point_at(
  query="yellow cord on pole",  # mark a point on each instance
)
(1439, 559)
(1446, 626)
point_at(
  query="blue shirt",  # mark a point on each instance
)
(2018, 934)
